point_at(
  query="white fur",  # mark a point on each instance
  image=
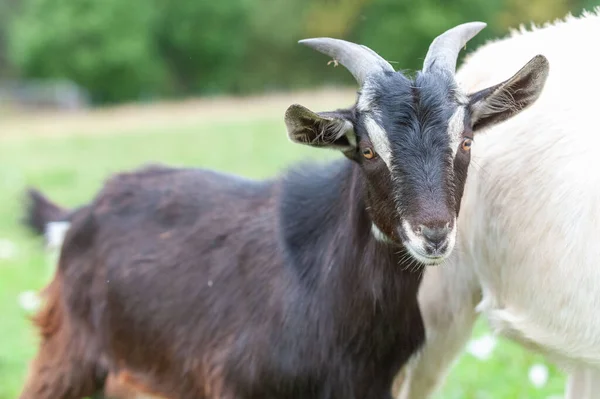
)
(365, 100)
(456, 126)
(350, 135)
(380, 140)
(416, 245)
(378, 234)
(529, 231)
(452, 238)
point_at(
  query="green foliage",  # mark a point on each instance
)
(401, 30)
(537, 11)
(123, 50)
(126, 50)
(271, 51)
(203, 42)
(106, 46)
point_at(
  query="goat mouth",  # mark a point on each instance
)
(415, 246)
(424, 259)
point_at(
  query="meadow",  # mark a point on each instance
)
(69, 155)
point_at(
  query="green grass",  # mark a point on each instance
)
(71, 169)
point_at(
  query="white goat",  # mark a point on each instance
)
(528, 251)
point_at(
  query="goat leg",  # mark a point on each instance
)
(66, 365)
(583, 383)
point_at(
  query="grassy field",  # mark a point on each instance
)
(69, 156)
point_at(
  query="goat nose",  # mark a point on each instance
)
(435, 235)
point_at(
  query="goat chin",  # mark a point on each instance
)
(527, 247)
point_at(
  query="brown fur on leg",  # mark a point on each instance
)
(66, 364)
(124, 385)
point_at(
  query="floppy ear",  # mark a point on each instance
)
(323, 129)
(505, 100)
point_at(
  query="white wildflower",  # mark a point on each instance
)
(8, 249)
(538, 375)
(29, 300)
(483, 347)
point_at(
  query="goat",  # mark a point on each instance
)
(209, 285)
(531, 268)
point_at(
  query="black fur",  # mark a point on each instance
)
(273, 289)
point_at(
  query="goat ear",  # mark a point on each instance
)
(505, 100)
(323, 129)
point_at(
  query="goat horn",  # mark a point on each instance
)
(443, 51)
(360, 60)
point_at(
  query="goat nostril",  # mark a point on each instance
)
(435, 235)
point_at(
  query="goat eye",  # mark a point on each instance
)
(466, 144)
(368, 153)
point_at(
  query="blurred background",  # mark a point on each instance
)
(92, 87)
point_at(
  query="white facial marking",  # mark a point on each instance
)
(380, 140)
(365, 101)
(376, 133)
(378, 234)
(416, 245)
(451, 238)
(461, 97)
(456, 126)
(350, 135)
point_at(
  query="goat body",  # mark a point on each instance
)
(527, 247)
(260, 290)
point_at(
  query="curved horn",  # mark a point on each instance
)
(443, 51)
(359, 60)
